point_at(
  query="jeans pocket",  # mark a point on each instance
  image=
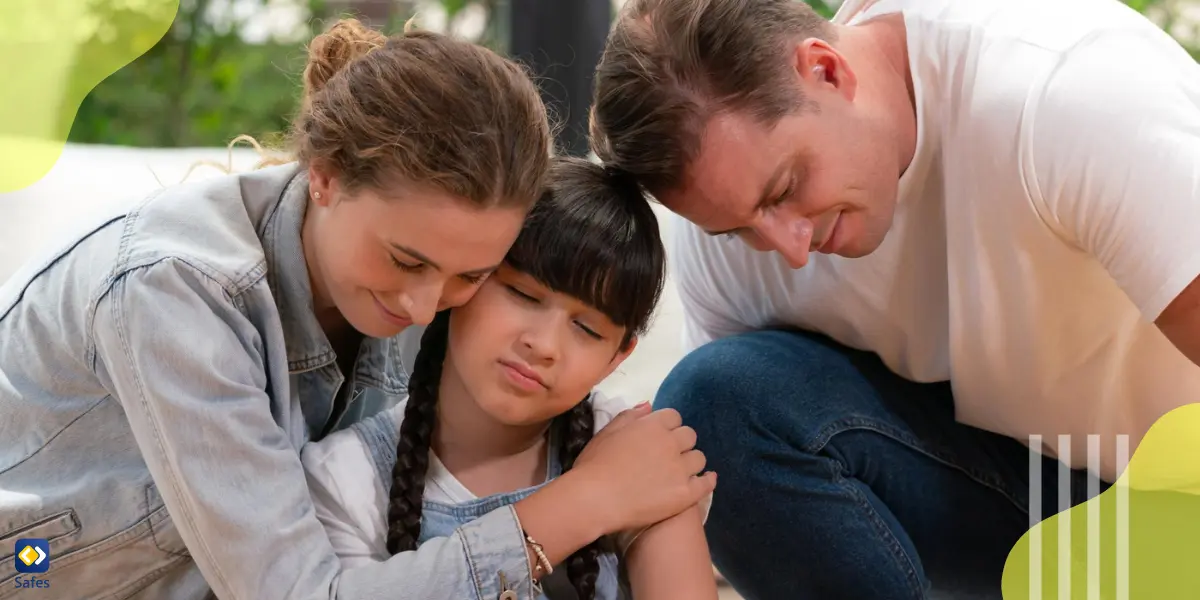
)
(162, 527)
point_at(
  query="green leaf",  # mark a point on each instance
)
(822, 8)
(453, 6)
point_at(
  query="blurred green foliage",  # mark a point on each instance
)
(203, 84)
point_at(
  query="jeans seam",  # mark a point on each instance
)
(903, 560)
(826, 434)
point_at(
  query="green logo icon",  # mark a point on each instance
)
(52, 53)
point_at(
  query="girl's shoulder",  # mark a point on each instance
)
(355, 453)
(606, 408)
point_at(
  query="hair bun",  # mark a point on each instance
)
(331, 51)
(622, 180)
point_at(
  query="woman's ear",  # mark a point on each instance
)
(620, 356)
(321, 183)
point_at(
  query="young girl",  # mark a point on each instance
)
(501, 402)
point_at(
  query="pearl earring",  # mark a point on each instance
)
(316, 195)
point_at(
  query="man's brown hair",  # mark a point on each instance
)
(671, 65)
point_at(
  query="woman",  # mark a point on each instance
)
(159, 374)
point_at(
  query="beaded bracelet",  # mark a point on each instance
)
(543, 563)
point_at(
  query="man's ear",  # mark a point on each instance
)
(620, 357)
(819, 66)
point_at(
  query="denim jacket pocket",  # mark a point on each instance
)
(51, 529)
(162, 527)
(101, 558)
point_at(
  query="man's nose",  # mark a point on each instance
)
(791, 238)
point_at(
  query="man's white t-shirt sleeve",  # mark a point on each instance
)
(1115, 148)
(605, 409)
(700, 271)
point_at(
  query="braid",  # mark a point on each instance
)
(583, 567)
(416, 436)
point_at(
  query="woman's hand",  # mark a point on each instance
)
(643, 468)
(640, 469)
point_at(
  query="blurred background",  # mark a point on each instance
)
(230, 67)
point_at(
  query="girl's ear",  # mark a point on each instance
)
(620, 357)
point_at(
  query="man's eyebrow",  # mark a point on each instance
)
(425, 259)
(765, 200)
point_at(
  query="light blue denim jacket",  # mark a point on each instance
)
(159, 373)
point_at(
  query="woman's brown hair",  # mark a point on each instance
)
(422, 108)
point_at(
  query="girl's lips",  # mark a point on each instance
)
(522, 376)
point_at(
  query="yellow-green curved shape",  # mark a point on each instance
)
(52, 53)
(1139, 540)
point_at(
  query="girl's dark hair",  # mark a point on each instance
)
(592, 235)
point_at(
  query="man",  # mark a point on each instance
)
(924, 238)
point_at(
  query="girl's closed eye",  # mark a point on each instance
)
(521, 295)
(588, 330)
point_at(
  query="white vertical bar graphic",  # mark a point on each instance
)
(1122, 518)
(1093, 517)
(1035, 516)
(1064, 516)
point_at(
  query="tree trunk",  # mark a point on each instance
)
(561, 41)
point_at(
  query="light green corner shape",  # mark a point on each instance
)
(1148, 547)
(52, 54)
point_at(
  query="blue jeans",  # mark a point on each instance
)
(840, 479)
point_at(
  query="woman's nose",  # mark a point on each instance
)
(421, 303)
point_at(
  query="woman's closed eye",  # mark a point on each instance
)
(406, 267)
(470, 278)
(475, 279)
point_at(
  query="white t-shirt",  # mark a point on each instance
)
(1051, 213)
(352, 504)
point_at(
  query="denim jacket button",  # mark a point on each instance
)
(508, 595)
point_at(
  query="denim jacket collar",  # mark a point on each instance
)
(379, 360)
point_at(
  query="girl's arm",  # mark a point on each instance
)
(670, 560)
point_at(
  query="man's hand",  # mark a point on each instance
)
(1180, 322)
